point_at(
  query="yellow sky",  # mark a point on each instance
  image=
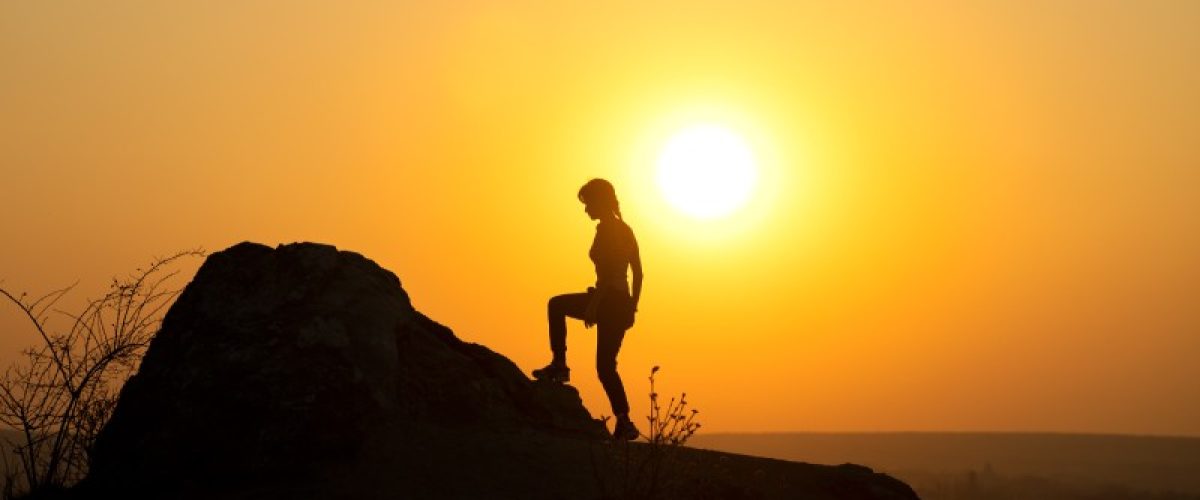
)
(973, 215)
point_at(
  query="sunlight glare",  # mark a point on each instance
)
(707, 171)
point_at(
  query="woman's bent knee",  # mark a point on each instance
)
(555, 303)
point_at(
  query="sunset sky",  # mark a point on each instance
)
(969, 216)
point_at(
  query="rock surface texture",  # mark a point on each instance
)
(304, 372)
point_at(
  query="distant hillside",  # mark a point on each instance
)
(934, 463)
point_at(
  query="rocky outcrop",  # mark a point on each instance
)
(304, 372)
(272, 360)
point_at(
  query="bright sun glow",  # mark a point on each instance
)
(707, 171)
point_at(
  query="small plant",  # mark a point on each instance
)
(649, 470)
(63, 391)
(676, 426)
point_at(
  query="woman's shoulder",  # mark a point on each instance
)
(616, 233)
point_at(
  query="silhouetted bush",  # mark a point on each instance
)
(649, 470)
(63, 390)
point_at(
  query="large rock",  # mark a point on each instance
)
(272, 361)
(304, 372)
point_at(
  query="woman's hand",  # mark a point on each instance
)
(589, 314)
(593, 307)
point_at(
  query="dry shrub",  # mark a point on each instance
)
(62, 391)
(651, 469)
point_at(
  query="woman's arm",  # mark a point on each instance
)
(635, 265)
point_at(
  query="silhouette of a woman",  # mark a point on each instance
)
(609, 305)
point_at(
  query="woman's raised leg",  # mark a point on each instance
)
(557, 311)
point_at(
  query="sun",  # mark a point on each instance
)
(707, 171)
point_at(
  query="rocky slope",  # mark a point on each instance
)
(304, 372)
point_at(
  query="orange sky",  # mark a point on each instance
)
(972, 217)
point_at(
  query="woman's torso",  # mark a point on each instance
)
(611, 252)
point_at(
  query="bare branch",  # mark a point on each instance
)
(64, 389)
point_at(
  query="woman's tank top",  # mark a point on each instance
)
(612, 250)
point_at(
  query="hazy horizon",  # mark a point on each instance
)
(969, 217)
(998, 465)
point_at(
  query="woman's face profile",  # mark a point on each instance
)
(591, 210)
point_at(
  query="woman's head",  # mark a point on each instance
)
(600, 198)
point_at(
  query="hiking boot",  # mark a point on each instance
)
(625, 430)
(553, 372)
